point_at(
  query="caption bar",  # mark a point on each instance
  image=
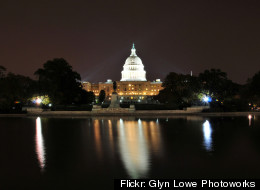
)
(154, 184)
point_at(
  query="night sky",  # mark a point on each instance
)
(95, 37)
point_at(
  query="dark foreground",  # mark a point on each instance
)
(88, 153)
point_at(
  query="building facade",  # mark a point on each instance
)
(133, 86)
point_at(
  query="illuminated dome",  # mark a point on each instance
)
(133, 68)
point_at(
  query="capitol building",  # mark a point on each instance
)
(133, 86)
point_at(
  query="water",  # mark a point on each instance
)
(88, 153)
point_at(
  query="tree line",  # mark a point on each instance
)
(56, 79)
(225, 95)
(62, 85)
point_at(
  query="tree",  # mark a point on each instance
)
(255, 85)
(166, 96)
(224, 93)
(253, 90)
(87, 97)
(59, 81)
(179, 89)
(2, 71)
(16, 88)
(101, 96)
(90, 97)
(216, 83)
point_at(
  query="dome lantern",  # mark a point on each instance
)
(133, 51)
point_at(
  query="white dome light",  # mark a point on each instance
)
(133, 68)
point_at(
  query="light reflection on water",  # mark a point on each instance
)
(137, 147)
(97, 137)
(249, 119)
(39, 141)
(135, 141)
(133, 148)
(207, 132)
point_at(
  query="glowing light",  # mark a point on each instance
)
(249, 119)
(39, 141)
(41, 100)
(50, 105)
(207, 99)
(38, 100)
(207, 135)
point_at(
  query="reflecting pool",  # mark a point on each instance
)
(82, 153)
